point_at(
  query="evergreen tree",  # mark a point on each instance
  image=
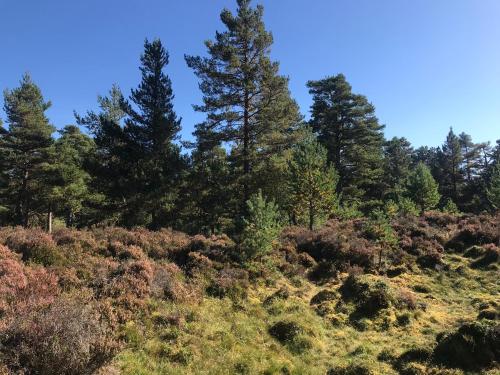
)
(398, 158)
(422, 188)
(26, 150)
(151, 126)
(451, 176)
(110, 166)
(208, 190)
(312, 183)
(261, 227)
(247, 102)
(493, 189)
(71, 190)
(347, 126)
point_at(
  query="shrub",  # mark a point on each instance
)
(281, 294)
(35, 245)
(473, 346)
(285, 331)
(230, 282)
(323, 271)
(491, 255)
(67, 337)
(350, 370)
(322, 296)
(262, 227)
(450, 207)
(369, 296)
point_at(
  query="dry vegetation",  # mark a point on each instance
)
(331, 301)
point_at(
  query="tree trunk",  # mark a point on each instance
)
(49, 220)
(311, 216)
(246, 146)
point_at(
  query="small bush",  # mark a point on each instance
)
(473, 346)
(230, 282)
(370, 296)
(491, 255)
(285, 331)
(350, 370)
(323, 296)
(262, 227)
(68, 337)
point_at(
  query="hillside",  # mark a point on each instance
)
(327, 301)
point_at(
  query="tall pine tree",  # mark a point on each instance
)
(246, 101)
(26, 151)
(347, 126)
(151, 127)
(451, 176)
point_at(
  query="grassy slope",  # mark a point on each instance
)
(219, 336)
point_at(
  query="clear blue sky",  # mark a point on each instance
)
(425, 64)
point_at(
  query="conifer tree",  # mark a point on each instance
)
(422, 188)
(151, 127)
(71, 191)
(493, 189)
(208, 190)
(347, 126)
(451, 177)
(110, 165)
(398, 157)
(312, 181)
(26, 150)
(246, 101)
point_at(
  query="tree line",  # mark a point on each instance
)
(125, 164)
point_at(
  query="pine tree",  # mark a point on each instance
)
(398, 158)
(246, 101)
(71, 189)
(209, 193)
(422, 188)
(493, 189)
(261, 227)
(26, 150)
(151, 127)
(312, 183)
(112, 161)
(451, 158)
(347, 126)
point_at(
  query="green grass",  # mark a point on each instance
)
(220, 336)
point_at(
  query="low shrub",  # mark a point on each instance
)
(230, 282)
(350, 370)
(323, 296)
(285, 331)
(491, 255)
(67, 337)
(35, 246)
(473, 346)
(369, 296)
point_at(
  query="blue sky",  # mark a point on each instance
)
(426, 65)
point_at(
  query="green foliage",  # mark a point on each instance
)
(246, 101)
(380, 230)
(261, 227)
(71, 188)
(407, 207)
(397, 157)
(347, 126)
(422, 188)
(312, 183)
(26, 151)
(493, 190)
(450, 207)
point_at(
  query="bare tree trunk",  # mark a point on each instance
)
(49, 220)
(246, 146)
